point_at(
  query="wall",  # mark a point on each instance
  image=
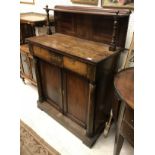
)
(40, 4)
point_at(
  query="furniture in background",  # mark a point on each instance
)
(27, 70)
(76, 65)
(28, 22)
(124, 87)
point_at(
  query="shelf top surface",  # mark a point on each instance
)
(92, 10)
(84, 49)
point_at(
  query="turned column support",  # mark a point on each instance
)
(48, 20)
(40, 92)
(114, 35)
(90, 111)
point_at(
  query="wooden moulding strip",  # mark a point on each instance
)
(68, 123)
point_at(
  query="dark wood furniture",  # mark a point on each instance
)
(27, 70)
(124, 86)
(75, 67)
(28, 22)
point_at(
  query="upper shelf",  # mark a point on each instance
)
(92, 10)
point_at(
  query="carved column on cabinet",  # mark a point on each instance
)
(40, 90)
(90, 113)
(114, 35)
(48, 20)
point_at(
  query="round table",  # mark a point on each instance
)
(124, 88)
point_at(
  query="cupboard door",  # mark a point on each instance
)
(76, 98)
(25, 65)
(33, 70)
(51, 84)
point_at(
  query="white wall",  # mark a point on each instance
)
(40, 4)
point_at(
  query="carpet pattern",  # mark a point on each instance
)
(33, 144)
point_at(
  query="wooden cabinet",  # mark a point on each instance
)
(28, 22)
(27, 70)
(74, 84)
(75, 72)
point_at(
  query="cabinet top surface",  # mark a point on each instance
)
(87, 50)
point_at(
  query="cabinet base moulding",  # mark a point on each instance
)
(69, 124)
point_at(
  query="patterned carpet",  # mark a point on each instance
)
(32, 144)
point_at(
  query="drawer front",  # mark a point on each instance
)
(48, 56)
(81, 68)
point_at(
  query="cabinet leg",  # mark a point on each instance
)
(118, 144)
(23, 80)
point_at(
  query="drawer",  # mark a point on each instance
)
(47, 55)
(79, 67)
(76, 66)
(129, 116)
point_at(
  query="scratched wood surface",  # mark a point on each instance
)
(84, 49)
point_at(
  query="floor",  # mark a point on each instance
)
(56, 135)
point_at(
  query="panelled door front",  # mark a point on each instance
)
(76, 97)
(51, 83)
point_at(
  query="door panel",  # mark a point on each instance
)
(76, 97)
(51, 83)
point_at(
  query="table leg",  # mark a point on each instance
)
(118, 144)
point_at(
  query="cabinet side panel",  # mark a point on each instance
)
(105, 74)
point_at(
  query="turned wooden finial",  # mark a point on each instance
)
(48, 20)
(114, 35)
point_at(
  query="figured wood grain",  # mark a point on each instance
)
(76, 66)
(88, 50)
(51, 83)
(47, 55)
(82, 39)
(77, 97)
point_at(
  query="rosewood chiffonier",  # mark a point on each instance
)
(76, 65)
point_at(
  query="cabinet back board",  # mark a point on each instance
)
(91, 24)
